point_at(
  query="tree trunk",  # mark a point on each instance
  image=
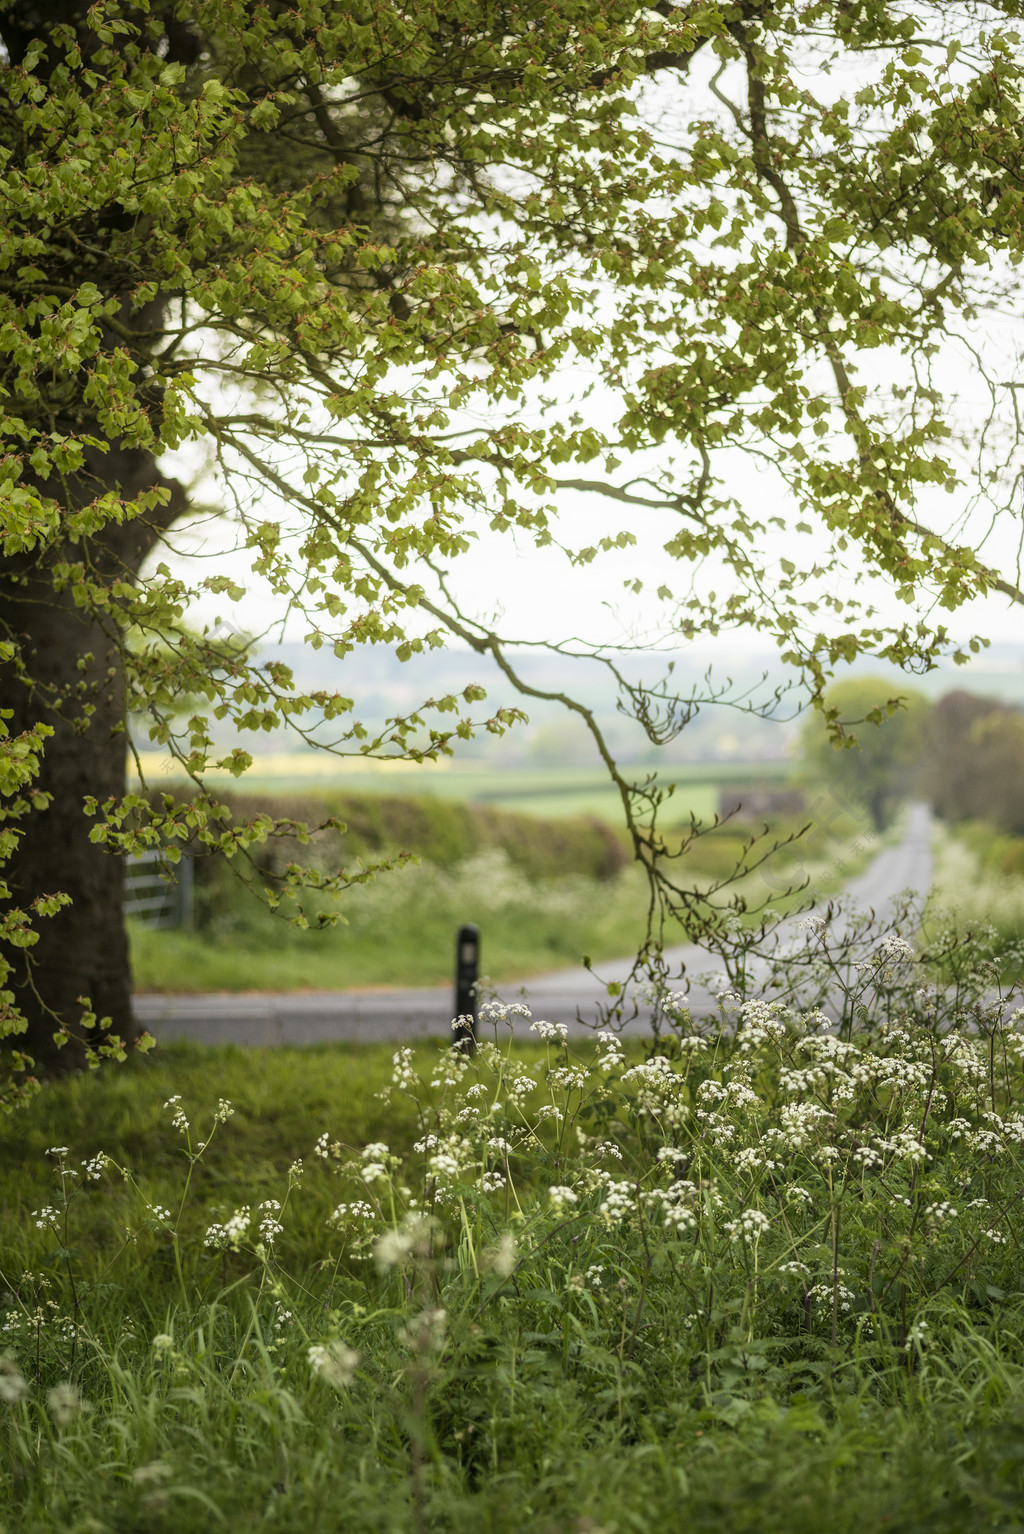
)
(70, 675)
(83, 949)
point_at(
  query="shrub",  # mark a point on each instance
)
(437, 830)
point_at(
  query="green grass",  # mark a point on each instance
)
(283, 1099)
(692, 1383)
(400, 929)
(401, 932)
(547, 792)
(979, 883)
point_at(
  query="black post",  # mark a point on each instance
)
(467, 972)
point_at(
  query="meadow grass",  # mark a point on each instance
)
(761, 1277)
(399, 930)
(546, 791)
(978, 885)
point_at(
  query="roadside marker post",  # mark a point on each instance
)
(467, 972)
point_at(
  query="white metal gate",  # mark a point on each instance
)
(157, 892)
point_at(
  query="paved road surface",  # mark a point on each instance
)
(388, 1016)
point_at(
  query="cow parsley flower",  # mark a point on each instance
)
(751, 1225)
(13, 1385)
(65, 1403)
(335, 1362)
(425, 1332)
(230, 1235)
(501, 1259)
(554, 1033)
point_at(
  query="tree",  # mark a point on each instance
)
(999, 742)
(974, 756)
(872, 753)
(354, 253)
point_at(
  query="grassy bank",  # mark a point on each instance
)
(979, 882)
(763, 1282)
(399, 930)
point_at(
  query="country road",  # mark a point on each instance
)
(390, 1016)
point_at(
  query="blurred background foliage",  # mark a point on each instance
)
(876, 761)
(552, 886)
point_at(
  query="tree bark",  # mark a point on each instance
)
(70, 675)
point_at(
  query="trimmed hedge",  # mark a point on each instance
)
(436, 830)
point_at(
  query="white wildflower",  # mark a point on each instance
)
(270, 1227)
(554, 1033)
(501, 1259)
(335, 1362)
(13, 1385)
(618, 1202)
(65, 1403)
(393, 1249)
(679, 1219)
(894, 949)
(916, 1336)
(230, 1235)
(425, 1332)
(398, 1246)
(829, 1294)
(402, 1074)
(358, 1210)
(178, 1119)
(751, 1224)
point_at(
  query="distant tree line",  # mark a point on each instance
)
(964, 753)
(973, 761)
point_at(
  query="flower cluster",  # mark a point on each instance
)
(840, 1176)
(335, 1362)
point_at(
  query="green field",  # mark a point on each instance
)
(399, 930)
(547, 792)
(508, 851)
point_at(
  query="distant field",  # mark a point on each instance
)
(548, 792)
